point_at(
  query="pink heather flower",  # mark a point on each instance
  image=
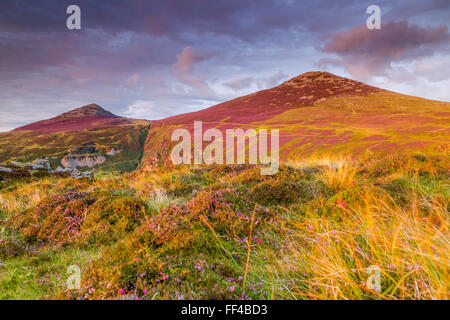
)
(121, 291)
(145, 291)
(232, 288)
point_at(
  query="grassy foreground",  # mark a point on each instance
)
(220, 232)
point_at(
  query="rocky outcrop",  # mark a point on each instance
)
(74, 161)
(87, 148)
(14, 169)
(87, 155)
(3, 169)
(74, 173)
(41, 164)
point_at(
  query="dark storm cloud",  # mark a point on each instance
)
(242, 19)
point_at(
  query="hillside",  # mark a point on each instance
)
(318, 112)
(90, 116)
(226, 232)
(86, 137)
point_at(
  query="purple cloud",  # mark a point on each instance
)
(366, 52)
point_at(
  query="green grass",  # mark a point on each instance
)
(41, 275)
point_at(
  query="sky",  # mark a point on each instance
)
(152, 59)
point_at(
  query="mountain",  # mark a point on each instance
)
(317, 113)
(300, 91)
(91, 116)
(85, 137)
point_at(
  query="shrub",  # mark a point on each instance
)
(57, 219)
(275, 191)
(111, 218)
(384, 165)
(399, 189)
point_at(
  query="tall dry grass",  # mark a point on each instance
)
(327, 256)
(318, 160)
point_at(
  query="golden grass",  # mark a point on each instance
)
(337, 171)
(26, 195)
(339, 178)
(320, 160)
(327, 257)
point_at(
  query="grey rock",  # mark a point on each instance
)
(41, 164)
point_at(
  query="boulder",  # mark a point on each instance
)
(17, 164)
(3, 169)
(41, 164)
(74, 173)
(61, 170)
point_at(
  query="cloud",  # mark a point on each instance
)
(257, 83)
(173, 18)
(366, 53)
(185, 62)
(435, 70)
(134, 79)
(275, 79)
(151, 110)
(184, 67)
(145, 109)
(239, 84)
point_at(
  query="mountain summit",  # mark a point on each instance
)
(319, 80)
(91, 116)
(303, 90)
(90, 110)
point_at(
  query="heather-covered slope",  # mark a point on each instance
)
(88, 117)
(318, 112)
(87, 135)
(311, 231)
